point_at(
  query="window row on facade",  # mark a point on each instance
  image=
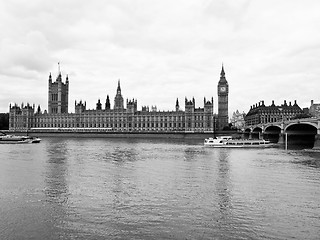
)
(181, 122)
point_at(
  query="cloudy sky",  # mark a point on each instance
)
(161, 50)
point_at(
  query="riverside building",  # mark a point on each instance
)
(123, 117)
(260, 113)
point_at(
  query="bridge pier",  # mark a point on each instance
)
(282, 139)
(316, 142)
(282, 136)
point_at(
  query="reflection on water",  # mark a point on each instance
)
(223, 184)
(156, 189)
(57, 187)
(307, 158)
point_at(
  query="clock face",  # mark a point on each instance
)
(223, 89)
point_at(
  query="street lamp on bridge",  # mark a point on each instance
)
(282, 129)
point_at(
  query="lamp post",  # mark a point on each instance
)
(282, 129)
(214, 126)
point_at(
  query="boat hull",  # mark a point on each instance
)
(26, 141)
(12, 139)
(237, 143)
(15, 142)
(240, 146)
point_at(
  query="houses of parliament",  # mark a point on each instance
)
(123, 117)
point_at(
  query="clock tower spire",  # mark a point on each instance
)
(223, 92)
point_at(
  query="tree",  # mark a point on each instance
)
(4, 121)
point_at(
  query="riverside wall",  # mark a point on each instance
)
(164, 135)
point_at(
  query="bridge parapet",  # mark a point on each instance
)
(283, 125)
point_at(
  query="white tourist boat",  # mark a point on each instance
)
(228, 142)
(217, 141)
(14, 139)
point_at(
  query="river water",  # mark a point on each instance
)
(70, 188)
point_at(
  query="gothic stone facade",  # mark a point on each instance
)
(119, 119)
(223, 92)
(58, 95)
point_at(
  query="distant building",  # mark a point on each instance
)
(259, 113)
(314, 109)
(121, 118)
(237, 120)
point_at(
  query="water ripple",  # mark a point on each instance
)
(156, 189)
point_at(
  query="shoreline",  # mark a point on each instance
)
(164, 135)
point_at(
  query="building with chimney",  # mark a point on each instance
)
(260, 113)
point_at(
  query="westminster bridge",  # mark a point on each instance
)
(305, 131)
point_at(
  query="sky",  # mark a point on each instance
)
(161, 50)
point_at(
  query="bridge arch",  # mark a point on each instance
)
(247, 133)
(272, 133)
(273, 129)
(256, 133)
(299, 132)
(303, 125)
(257, 129)
(302, 134)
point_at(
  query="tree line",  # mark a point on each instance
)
(4, 121)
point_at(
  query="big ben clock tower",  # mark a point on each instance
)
(223, 91)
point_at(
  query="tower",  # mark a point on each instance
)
(189, 114)
(98, 105)
(107, 105)
(223, 91)
(208, 115)
(58, 95)
(118, 100)
(79, 107)
(177, 105)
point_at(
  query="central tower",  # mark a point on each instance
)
(223, 92)
(118, 100)
(58, 95)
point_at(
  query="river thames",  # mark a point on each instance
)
(71, 188)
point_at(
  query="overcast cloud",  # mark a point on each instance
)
(161, 50)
